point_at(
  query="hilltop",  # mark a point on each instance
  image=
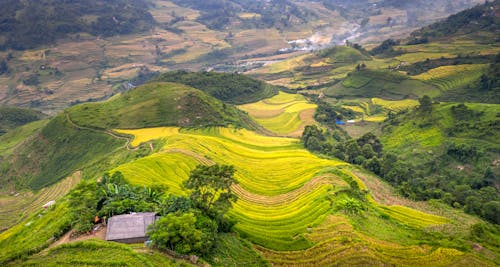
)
(231, 88)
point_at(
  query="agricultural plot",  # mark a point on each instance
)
(285, 194)
(452, 77)
(376, 109)
(337, 243)
(284, 114)
(17, 207)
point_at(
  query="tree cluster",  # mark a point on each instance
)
(476, 191)
(188, 224)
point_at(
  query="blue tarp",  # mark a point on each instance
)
(339, 122)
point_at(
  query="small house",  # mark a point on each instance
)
(129, 228)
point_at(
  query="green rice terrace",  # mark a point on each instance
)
(296, 208)
(361, 154)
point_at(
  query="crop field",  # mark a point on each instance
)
(285, 195)
(337, 243)
(284, 114)
(376, 109)
(14, 208)
(451, 77)
(395, 105)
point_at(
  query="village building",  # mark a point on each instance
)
(129, 228)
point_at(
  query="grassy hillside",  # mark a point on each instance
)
(78, 137)
(450, 154)
(157, 104)
(232, 88)
(295, 214)
(12, 117)
(99, 253)
(54, 152)
(480, 21)
(380, 83)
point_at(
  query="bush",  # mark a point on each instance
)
(183, 233)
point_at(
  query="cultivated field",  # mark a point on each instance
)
(284, 114)
(287, 199)
(18, 206)
(452, 77)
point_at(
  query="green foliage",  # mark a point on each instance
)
(183, 233)
(28, 24)
(112, 195)
(445, 155)
(425, 104)
(57, 151)
(470, 21)
(231, 250)
(228, 87)
(428, 64)
(217, 14)
(12, 117)
(211, 189)
(36, 233)
(350, 205)
(385, 48)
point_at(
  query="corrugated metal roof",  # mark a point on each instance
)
(129, 225)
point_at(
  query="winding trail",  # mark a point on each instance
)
(108, 132)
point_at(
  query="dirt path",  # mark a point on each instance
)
(108, 132)
(66, 238)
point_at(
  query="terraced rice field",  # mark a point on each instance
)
(450, 77)
(17, 207)
(376, 109)
(284, 114)
(286, 194)
(338, 244)
(396, 105)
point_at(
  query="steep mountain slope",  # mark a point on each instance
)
(79, 137)
(12, 117)
(482, 21)
(450, 153)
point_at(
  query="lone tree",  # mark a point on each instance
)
(425, 104)
(211, 188)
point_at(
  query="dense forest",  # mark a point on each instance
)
(27, 24)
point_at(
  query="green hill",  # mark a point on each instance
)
(480, 21)
(157, 104)
(380, 83)
(12, 117)
(228, 87)
(448, 153)
(79, 137)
